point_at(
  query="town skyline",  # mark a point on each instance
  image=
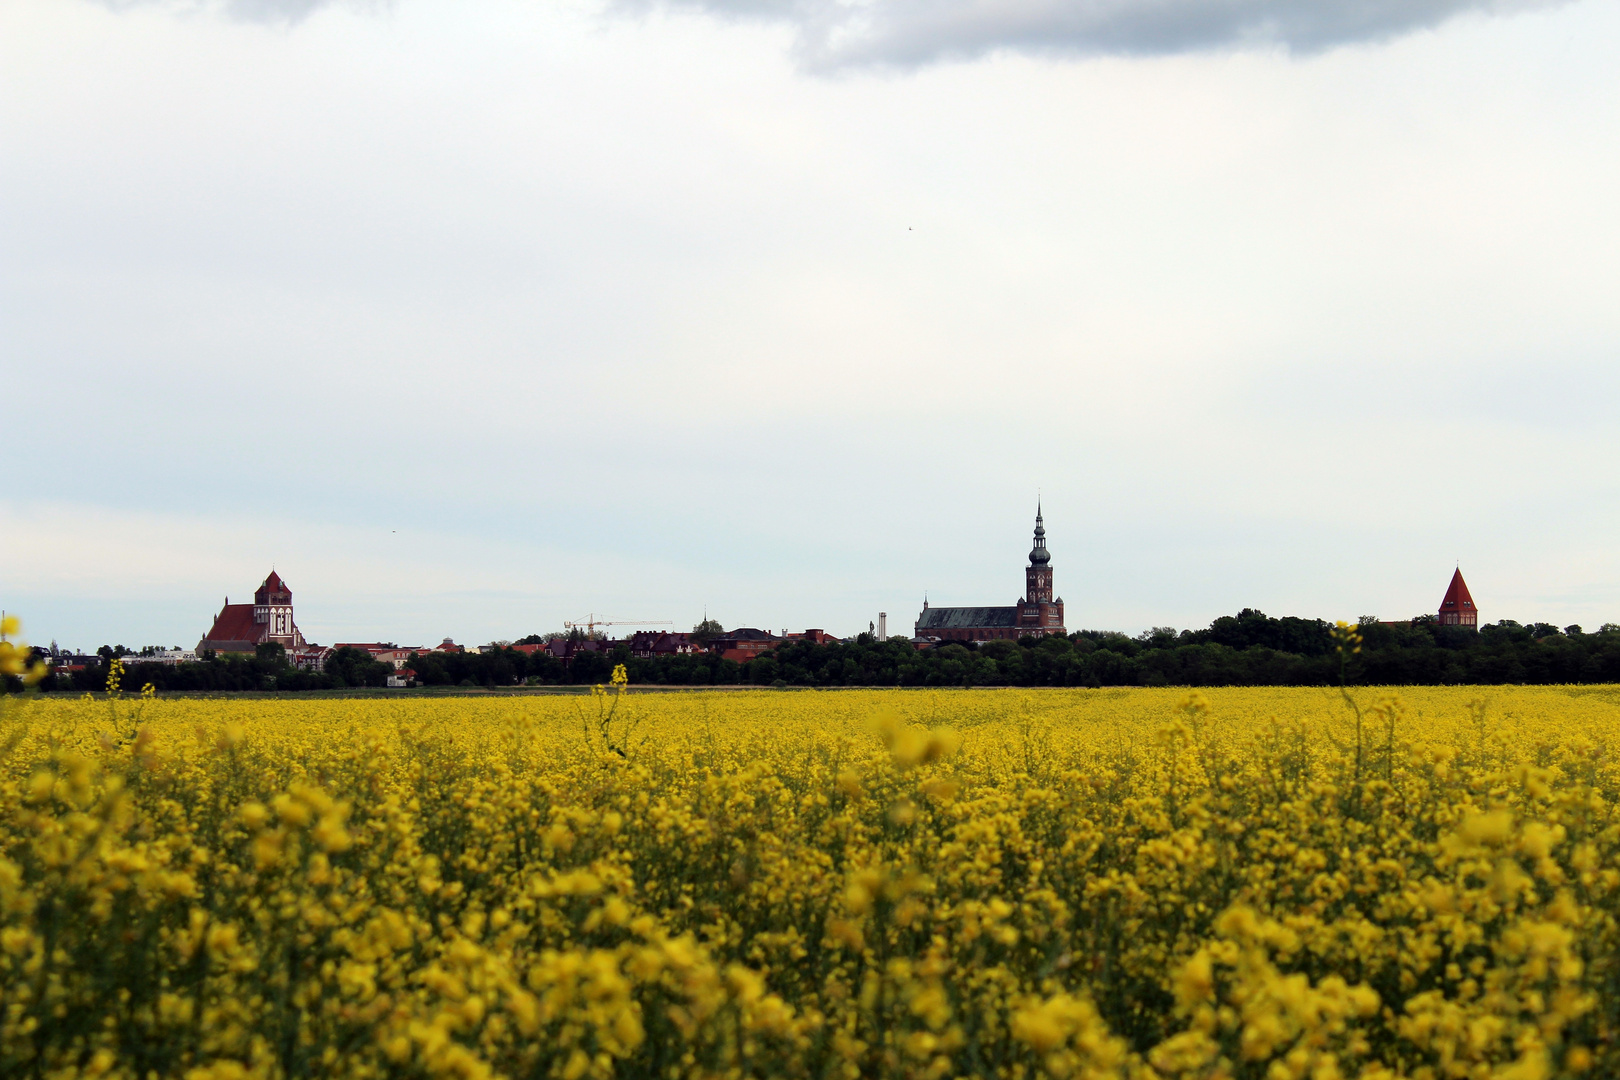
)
(258, 647)
(269, 616)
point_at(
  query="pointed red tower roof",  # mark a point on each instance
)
(273, 591)
(1458, 606)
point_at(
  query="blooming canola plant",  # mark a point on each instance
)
(1115, 883)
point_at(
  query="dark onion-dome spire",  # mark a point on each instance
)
(1038, 556)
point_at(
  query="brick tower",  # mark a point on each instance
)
(1457, 609)
(1039, 612)
(272, 609)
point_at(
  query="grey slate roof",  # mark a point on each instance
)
(967, 618)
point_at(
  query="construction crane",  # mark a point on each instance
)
(591, 622)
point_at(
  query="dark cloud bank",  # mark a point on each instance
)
(834, 34)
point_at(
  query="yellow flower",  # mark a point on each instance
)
(1195, 983)
(1493, 827)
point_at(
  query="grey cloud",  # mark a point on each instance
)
(906, 33)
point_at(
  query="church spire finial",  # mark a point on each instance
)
(1038, 555)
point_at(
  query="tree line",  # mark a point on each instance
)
(265, 669)
(1246, 649)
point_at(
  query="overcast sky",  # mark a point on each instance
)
(473, 316)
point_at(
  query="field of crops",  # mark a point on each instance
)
(1114, 883)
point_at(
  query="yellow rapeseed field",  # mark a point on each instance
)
(1113, 883)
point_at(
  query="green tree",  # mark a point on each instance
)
(356, 668)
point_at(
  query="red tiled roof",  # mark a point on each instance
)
(235, 623)
(1457, 598)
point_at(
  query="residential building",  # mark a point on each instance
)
(385, 651)
(646, 644)
(566, 648)
(743, 643)
(309, 657)
(814, 637)
(166, 657)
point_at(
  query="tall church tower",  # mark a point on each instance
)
(1038, 575)
(272, 609)
(1039, 612)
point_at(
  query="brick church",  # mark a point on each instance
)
(244, 627)
(1038, 613)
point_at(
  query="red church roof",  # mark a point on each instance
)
(234, 623)
(1457, 599)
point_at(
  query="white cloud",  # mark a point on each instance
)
(260, 11)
